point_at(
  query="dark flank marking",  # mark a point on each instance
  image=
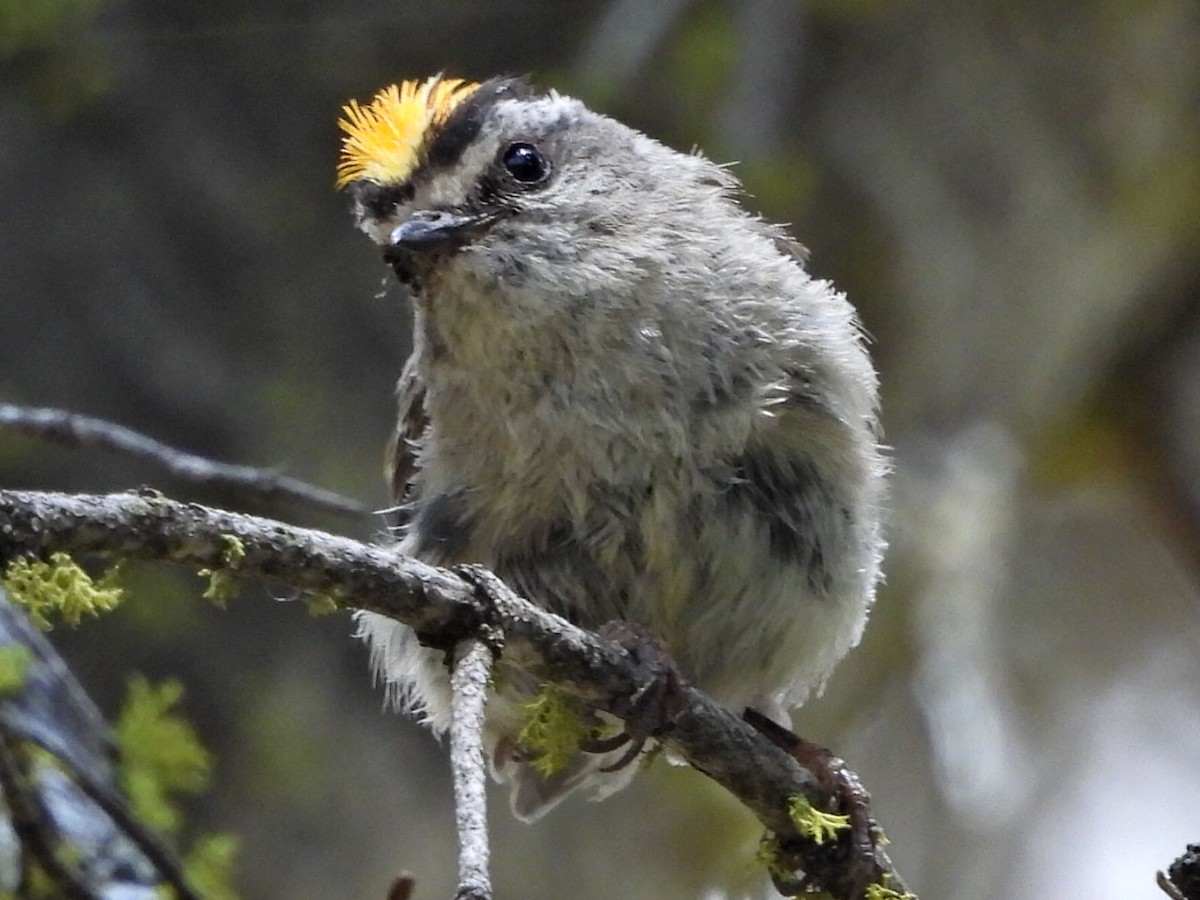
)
(442, 525)
(556, 569)
(783, 493)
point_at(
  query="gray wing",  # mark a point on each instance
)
(401, 465)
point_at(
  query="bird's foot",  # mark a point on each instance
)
(841, 787)
(652, 710)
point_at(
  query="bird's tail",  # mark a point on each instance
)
(534, 794)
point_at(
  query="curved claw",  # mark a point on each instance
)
(635, 748)
(606, 744)
(615, 742)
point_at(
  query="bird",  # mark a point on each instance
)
(627, 398)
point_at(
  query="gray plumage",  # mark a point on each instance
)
(628, 399)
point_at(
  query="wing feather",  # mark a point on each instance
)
(400, 465)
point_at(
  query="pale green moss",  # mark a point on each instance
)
(814, 824)
(554, 730)
(322, 604)
(209, 866)
(15, 661)
(883, 892)
(59, 590)
(41, 886)
(161, 757)
(222, 585)
(235, 550)
(767, 856)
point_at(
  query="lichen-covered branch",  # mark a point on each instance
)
(446, 608)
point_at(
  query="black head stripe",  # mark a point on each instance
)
(462, 127)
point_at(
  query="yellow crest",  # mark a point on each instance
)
(383, 139)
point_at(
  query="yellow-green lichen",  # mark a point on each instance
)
(814, 824)
(39, 886)
(322, 604)
(15, 661)
(768, 857)
(554, 730)
(209, 866)
(883, 892)
(59, 590)
(161, 757)
(222, 585)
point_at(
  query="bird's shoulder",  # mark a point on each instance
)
(412, 422)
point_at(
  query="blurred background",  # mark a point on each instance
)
(1010, 193)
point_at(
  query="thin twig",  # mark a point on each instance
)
(468, 700)
(445, 608)
(76, 430)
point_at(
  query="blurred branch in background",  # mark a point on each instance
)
(64, 813)
(78, 430)
(751, 121)
(624, 41)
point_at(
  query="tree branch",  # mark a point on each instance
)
(446, 608)
(473, 660)
(75, 430)
(74, 803)
(30, 822)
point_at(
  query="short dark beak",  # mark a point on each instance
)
(437, 230)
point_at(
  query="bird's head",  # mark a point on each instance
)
(507, 187)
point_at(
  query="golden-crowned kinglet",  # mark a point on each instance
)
(626, 397)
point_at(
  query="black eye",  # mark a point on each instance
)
(525, 163)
